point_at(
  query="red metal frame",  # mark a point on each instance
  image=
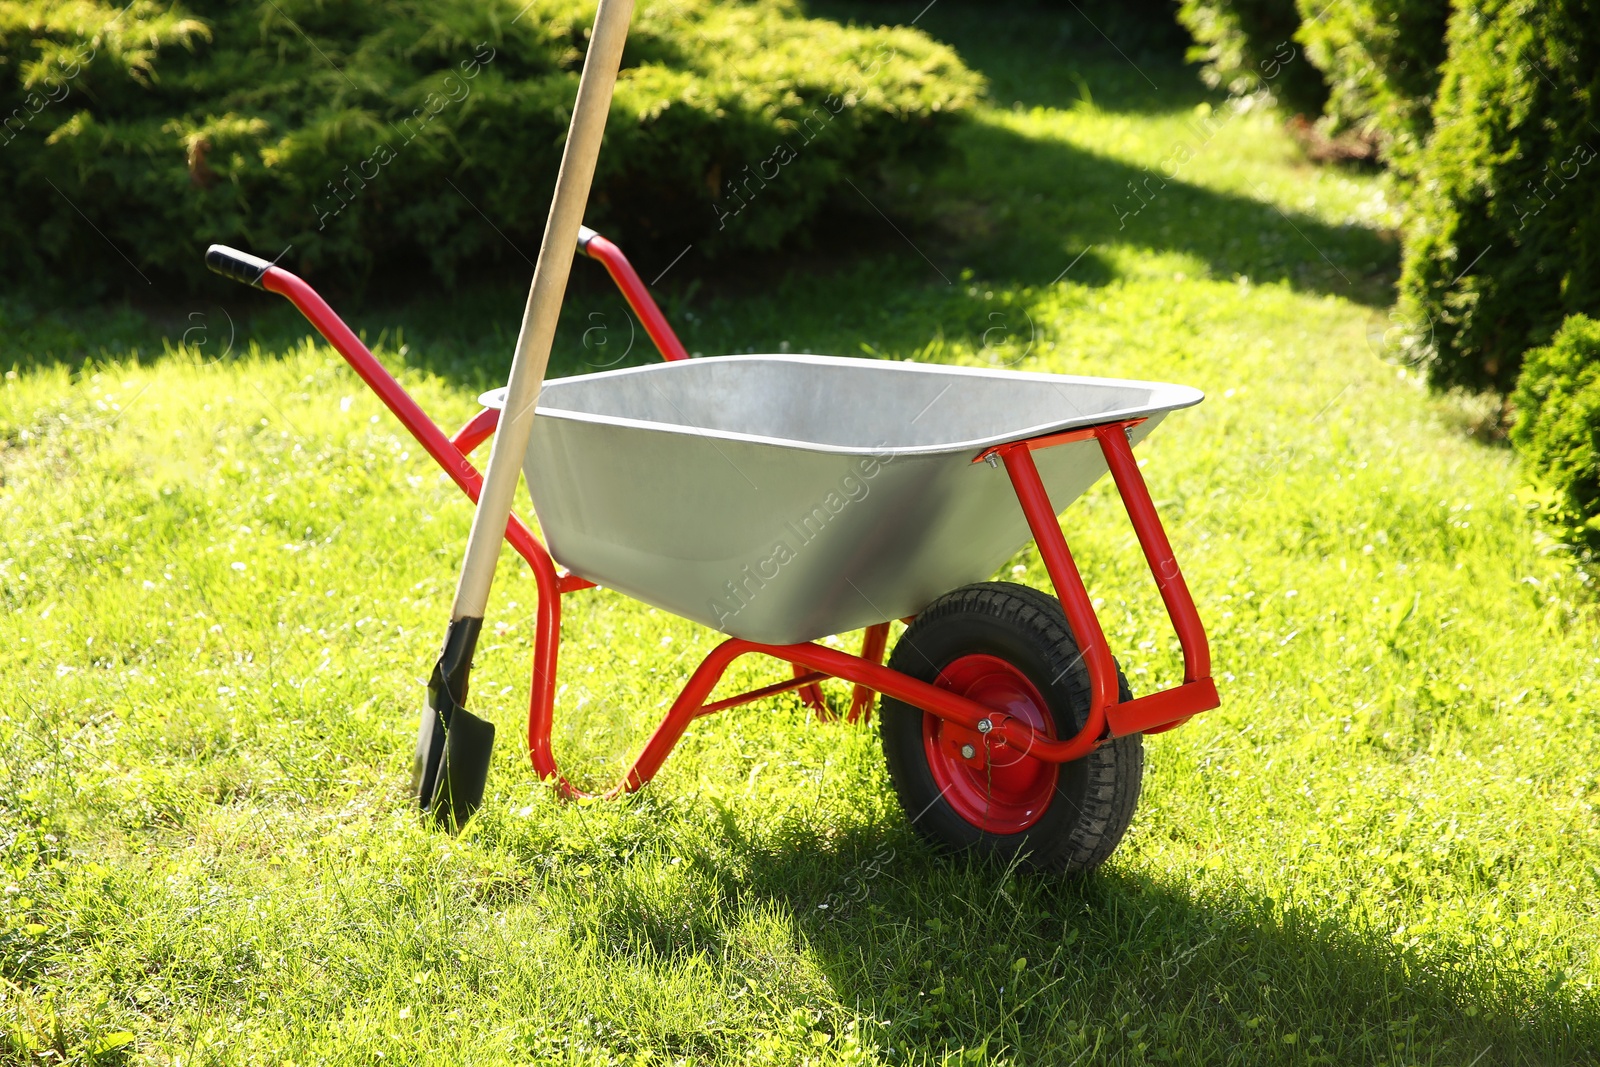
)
(814, 663)
(616, 264)
(874, 641)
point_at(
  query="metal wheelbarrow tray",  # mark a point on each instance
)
(782, 498)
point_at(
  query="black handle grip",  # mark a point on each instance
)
(240, 266)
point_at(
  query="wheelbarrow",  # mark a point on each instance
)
(780, 499)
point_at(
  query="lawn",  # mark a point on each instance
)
(225, 573)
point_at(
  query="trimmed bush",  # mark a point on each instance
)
(1249, 45)
(1503, 239)
(427, 135)
(1557, 428)
(1381, 60)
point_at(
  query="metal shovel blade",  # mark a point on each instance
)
(463, 771)
(451, 766)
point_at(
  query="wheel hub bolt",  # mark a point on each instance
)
(984, 726)
(967, 752)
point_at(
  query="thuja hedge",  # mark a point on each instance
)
(1381, 60)
(1249, 45)
(1557, 429)
(1369, 66)
(426, 136)
(1503, 238)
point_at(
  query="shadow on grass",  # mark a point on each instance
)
(1017, 209)
(1009, 219)
(1125, 57)
(1056, 200)
(945, 955)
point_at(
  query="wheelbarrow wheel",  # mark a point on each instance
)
(1007, 646)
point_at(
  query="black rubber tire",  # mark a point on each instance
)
(1094, 797)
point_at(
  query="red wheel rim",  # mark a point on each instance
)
(1009, 792)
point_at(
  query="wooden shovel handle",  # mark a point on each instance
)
(544, 305)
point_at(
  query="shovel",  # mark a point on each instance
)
(453, 745)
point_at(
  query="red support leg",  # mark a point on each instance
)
(1157, 552)
(542, 684)
(1081, 619)
(684, 710)
(873, 642)
(1156, 711)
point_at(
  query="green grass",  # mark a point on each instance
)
(225, 576)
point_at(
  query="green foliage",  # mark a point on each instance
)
(1503, 240)
(428, 134)
(1381, 61)
(1249, 45)
(222, 580)
(1558, 427)
(1372, 65)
